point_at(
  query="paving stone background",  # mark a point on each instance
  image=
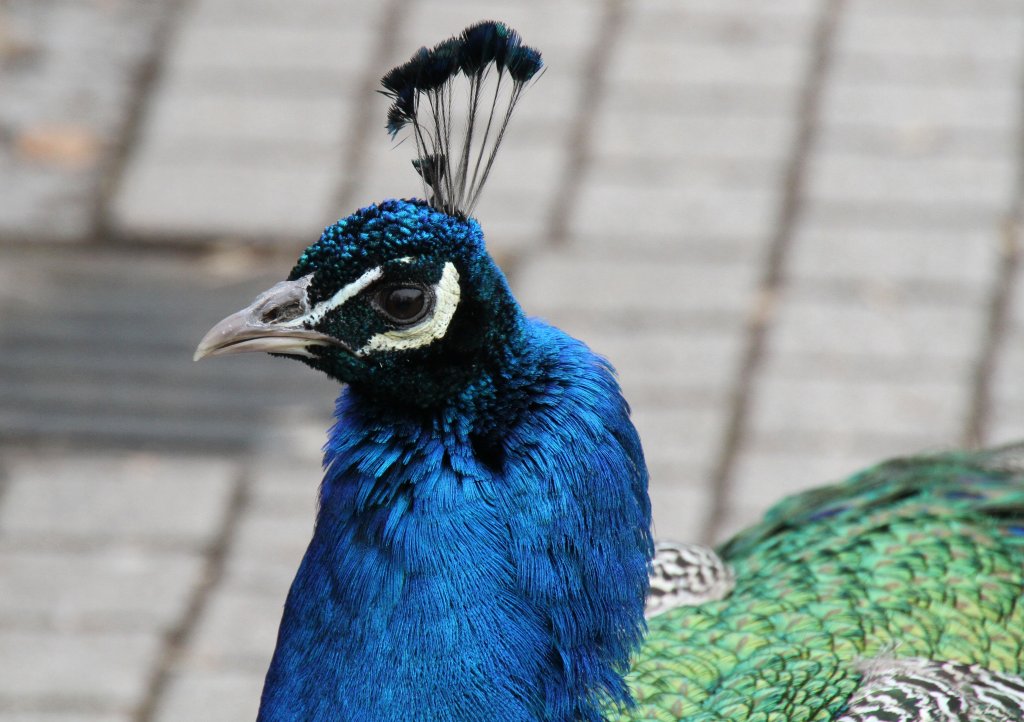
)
(795, 228)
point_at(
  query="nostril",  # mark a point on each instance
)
(281, 312)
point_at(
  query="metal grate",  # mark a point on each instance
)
(96, 348)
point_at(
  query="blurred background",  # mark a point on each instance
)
(793, 226)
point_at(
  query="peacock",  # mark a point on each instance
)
(482, 548)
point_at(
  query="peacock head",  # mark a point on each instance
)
(401, 299)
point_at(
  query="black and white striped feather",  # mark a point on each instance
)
(921, 690)
(686, 575)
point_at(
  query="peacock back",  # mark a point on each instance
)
(918, 559)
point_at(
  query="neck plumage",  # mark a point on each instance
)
(446, 583)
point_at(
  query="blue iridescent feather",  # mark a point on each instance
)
(437, 587)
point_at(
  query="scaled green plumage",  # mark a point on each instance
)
(913, 558)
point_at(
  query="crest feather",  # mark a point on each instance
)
(497, 67)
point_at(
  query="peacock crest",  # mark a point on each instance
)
(455, 150)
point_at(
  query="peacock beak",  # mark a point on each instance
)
(272, 323)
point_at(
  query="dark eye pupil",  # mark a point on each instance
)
(404, 303)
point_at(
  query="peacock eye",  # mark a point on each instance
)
(404, 305)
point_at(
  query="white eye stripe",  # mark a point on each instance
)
(313, 317)
(433, 327)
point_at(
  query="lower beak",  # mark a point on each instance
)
(269, 324)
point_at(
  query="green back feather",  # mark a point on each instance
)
(913, 558)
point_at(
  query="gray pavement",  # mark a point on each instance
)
(794, 227)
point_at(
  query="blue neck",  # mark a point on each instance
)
(446, 583)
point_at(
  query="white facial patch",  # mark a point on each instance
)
(315, 314)
(433, 327)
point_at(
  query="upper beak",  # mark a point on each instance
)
(272, 323)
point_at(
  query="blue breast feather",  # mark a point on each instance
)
(438, 587)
